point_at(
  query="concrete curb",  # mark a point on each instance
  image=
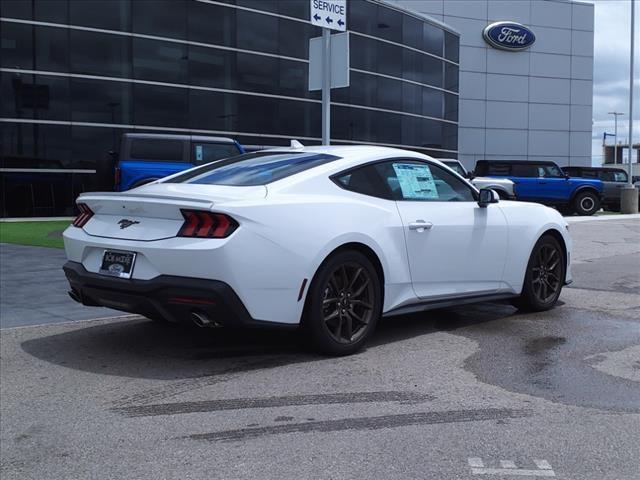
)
(631, 216)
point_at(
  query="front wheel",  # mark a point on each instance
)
(545, 276)
(586, 203)
(344, 304)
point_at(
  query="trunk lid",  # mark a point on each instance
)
(152, 212)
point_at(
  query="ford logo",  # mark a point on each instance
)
(116, 268)
(508, 36)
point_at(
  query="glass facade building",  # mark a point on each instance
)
(76, 75)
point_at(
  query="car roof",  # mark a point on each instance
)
(162, 136)
(595, 169)
(519, 162)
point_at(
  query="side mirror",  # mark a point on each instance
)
(567, 176)
(487, 196)
(470, 176)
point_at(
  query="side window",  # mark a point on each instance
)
(499, 169)
(156, 150)
(549, 171)
(202, 153)
(619, 176)
(417, 181)
(589, 174)
(376, 180)
(524, 170)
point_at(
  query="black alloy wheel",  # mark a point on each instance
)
(545, 276)
(343, 304)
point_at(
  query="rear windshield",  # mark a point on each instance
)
(253, 168)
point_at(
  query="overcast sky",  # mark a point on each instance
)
(611, 72)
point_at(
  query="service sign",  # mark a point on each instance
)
(329, 14)
(508, 36)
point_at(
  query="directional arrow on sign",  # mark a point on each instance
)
(316, 17)
(340, 22)
(329, 20)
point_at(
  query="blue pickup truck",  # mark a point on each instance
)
(544, 182)
(145, 157)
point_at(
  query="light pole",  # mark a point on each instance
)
(629, 194)
(615, 134)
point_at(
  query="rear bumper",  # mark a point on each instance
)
(169, 297)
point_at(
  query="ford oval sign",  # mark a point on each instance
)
(508, 36)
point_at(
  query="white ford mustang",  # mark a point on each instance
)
(328, 238)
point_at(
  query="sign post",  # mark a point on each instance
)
(330, 15)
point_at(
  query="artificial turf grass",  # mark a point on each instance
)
(33, 233)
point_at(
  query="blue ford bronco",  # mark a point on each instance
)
(145, 157)
(544, 182)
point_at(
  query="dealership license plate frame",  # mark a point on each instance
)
(115, 272)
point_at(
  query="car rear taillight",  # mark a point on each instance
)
(84, 216)
(200, 224)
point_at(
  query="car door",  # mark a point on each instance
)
(552, 183)
(454, 246)
(525, 178)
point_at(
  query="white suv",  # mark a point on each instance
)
(503, 186)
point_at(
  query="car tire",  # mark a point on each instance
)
(344, 304)
(544, 277)
(586, 203)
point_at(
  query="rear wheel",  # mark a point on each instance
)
(586, 203)
(344, 304)
(545, 276)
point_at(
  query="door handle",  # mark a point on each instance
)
(420, 226)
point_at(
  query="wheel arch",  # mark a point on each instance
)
(558, 236)
(362, 248)
(582, 189)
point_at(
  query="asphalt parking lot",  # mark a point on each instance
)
(470, 392)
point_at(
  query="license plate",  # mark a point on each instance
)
(117, 264)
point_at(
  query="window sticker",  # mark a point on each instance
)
(198, 153)
(416, 181)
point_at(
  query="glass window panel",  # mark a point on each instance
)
(451, 107)
(264, 5)
(432, 71)
(389, 94)
(411, 31)
(433, 39)
(294, 80)
(156, 149)
(161, 61)
(368, 180)
(218, 32)
(257, 73)
(96, 148)
(294, 39)
(431, 134)
(451, 46)
(163, 18)
(366, 59)
(451, 77)
(16, 9)
(100, 101)
(412, 65)
(389, 59)
(410, 131)
(389, 24)
(298, 119)
(432, 102)
(35, 96)
(388, 126)
(100, 54)
(450, 136)
(52, 49)
(210, 67)
(294, 8)
(364, 89)
(256, 31)
(35, 145)
(160, 106)
(204, 152)
(257, 114)
(55, 11)
(362, 16)
(16, 46)
(108, 14)
(213, 110)
(411, 98)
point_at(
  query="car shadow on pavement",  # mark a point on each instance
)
(141, 348)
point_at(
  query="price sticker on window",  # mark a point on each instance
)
(416, 181)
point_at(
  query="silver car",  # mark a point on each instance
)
(503, 186)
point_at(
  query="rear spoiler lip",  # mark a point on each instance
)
(143, 196)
